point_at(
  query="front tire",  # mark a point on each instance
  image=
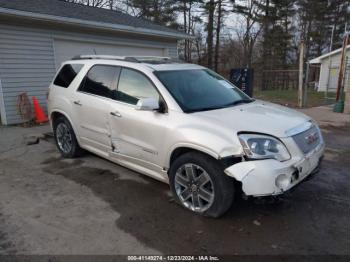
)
(65, 138)
(198, 183)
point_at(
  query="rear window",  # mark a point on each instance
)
(67, 74)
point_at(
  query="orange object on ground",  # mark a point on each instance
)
(40, 116)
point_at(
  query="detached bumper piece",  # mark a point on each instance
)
(271, 177)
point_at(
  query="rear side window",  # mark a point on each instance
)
(67, 74)
(100, 80)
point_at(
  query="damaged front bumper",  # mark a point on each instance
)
(271, 177)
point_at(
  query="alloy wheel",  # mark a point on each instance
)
(194, 187)
(64, 138)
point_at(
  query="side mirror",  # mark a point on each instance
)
(147, 104)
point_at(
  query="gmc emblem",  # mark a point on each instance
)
(312, 138)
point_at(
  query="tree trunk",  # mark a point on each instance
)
(198, 51)
(185, 29)
(189, 29)
(218, 29)
(210, 27)
(265, 44)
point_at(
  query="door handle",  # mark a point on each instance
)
(116, 113)
(77, 103)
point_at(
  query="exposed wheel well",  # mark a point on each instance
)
(180, 151)
(55, 116)
(226, 162)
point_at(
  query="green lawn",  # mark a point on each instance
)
(290, 97)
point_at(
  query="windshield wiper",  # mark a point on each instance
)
(204, 109)
(242, 101)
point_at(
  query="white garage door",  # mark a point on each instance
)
(66, 49)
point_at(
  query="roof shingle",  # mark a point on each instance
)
(62, 8)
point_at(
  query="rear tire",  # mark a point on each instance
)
(65, 138)
(199, 184)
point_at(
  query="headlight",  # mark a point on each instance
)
(263, 147)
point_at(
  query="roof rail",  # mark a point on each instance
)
(152, 58)
(135, 59)
(106, 57)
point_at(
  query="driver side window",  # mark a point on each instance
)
(134, 86)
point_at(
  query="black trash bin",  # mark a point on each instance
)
(243, 79)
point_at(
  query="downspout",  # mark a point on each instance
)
(2, 106)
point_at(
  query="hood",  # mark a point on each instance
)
(258, 117)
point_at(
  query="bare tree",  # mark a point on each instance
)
(94, 3)
(250, 29)
(120, 5)
(221, 12)
(189, 10)
(234, 55)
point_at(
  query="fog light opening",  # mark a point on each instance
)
(295, 176)
(282, 181)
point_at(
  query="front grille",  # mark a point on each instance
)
(308, 140)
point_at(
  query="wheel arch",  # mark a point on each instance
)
(55, 114)
(186, 148)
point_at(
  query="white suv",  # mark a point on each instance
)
(184, 125)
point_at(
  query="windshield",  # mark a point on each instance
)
(201, 89)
